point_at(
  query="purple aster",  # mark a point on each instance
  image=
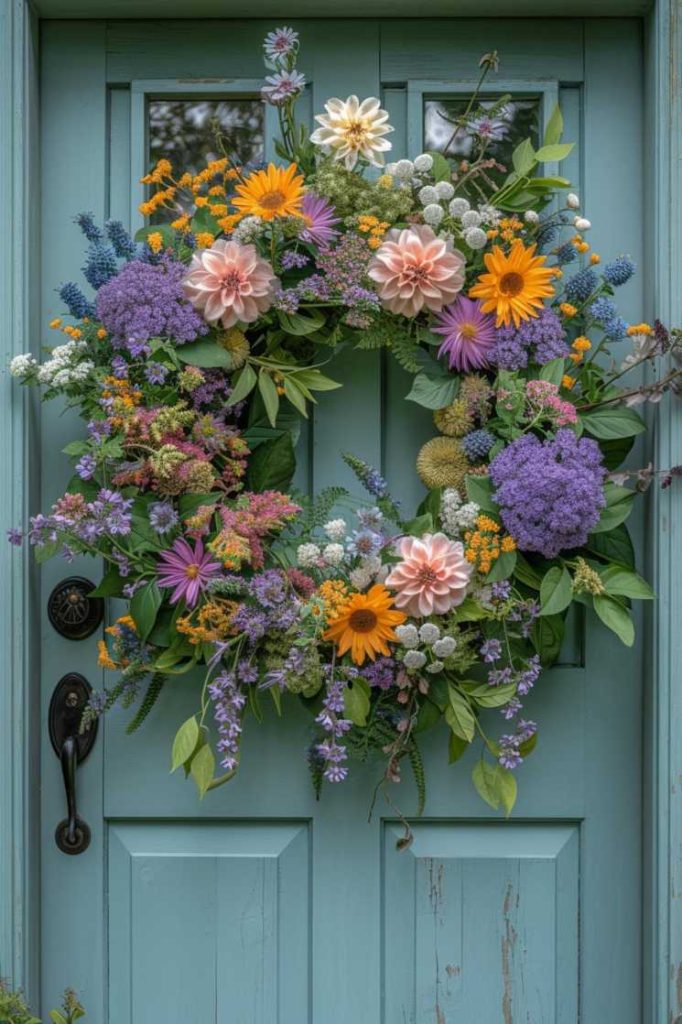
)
(162, 517)
(550, 492)
(15, 536)
(251, 622)
(155, 373)
(541, 338)
(146, 301)
(365, 543)
(187, 570)
(319, 215)
(119, 367)
(469, 335)
(282, 87)
(86, 466)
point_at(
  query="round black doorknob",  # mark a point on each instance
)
(71, 611)
(81, 837)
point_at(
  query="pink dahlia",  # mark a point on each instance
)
(187, 570)
(469, 335)
(432, 577)
(230, 282)
(413, 269)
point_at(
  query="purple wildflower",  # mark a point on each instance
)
(541, 338)
(381, 673)
(330, 718)
(15, 536)
(292, 260)
(86, 466)
(155, 373)
(491, 650)
(501, 590)
(251, 622)
(162, 517)
(187, 570)
(228, 703)
(320, 219)
(282, 87)
(550, 492)
(269, 587)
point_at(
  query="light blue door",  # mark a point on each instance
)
(261, 905)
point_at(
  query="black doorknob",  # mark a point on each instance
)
(71, 611)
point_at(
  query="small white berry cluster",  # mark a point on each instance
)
(425, 647)
(473, 222)
(579, 223)
(455, 515)
(407, 172)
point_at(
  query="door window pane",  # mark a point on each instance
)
(184, 132)
(499, 132)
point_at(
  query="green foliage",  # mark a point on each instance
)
(612, 422)
(556, 591)
(144, 607)
(14, 1010)
(433, 392)
(417, 765)
(614, 614)
(150, 698)
(495, 784)
(272, 465)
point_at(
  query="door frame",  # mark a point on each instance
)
(19, 283)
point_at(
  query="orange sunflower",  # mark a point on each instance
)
(275, 192)
(515, 285)
(364, 623)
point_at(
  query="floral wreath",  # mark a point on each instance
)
(205, 342)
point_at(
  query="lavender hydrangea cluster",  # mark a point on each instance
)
(146, 301)
(550, 492)
(541, 338)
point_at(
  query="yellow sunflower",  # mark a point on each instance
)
(515, 285)
(276, 192)
(364, 623)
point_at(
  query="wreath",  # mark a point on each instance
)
(207, 339)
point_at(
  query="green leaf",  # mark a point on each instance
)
(356, 701)
(301, 324)
(554, 152)
(185, 742)
(479, 489)
(469, 611)
(616, 617)
(42, 552)
(203, 768)
(268, 391)
(555, 127)
(626, 583)
(111, 585)
(315, 381)
(433, 392)
(459, 716)
(204, 220)
(188, 504)
(524, 158)
(206, 353)
(485, 780)
(295, 396)
(615, 452)
(490, 696)
(618, 507)
(556, 591)
(547, 636)
(420, 525)
(144, 608)
(441, 170)
(272, 465)
(526, 573)
(610, 422)
(553, 371)
(615, 545)
(76, 448)
(456, 747)
(503, 567)
(507, 788)
(243, 385)
(429, 715)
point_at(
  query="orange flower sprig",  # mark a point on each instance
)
(485, 544)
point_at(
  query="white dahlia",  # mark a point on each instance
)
(351, 129)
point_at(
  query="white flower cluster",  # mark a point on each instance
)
(427, 636)
(65, 365)
(23, 365)
(579, 223)
(335, 529)
(308, 556)
(366, 572)
(247, 230)
(473, 221)
(456, 516)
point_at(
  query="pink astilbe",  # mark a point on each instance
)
(432, 576)
(414, 269)
(230, 283)
(252, 518)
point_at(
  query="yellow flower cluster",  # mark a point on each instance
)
(568, 309)
(507, 229)
(375, 228)
(104, 658)
(124, 398)
(641, 329)
(202, 186)
(329, 598)
(580, 345)
(484, 545)
(213, 622)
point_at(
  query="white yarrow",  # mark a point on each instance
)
(476, 238)
(407, 635)
(308, 555)
(458, 206)
(333, 554)
(429, 633)
(335, 529)
(414, 659)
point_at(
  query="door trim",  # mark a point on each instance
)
(19, 283)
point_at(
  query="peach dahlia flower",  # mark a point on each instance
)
(413, 269)
(230, 283)
(432, 577)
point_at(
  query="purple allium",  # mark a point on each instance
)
(86, 466)
(550, 492)
(542, 338)
(146, 301)
(15, 536)
(468, 333)
(228, 703)
(491, 650)
(187, 570)
(162, 517)
(320, 219)
(477, 444)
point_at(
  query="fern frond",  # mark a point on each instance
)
(150, 698)
(405, 349)
(417, 765)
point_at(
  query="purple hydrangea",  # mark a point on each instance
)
(550, 492)
(145, 301)
(542, 338)
(381, 673)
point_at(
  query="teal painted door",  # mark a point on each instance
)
(261, 905)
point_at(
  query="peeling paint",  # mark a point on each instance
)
(508, 945)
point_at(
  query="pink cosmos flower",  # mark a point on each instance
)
(230, 283)
(413, 269)
(469, 335)
(187, 570)
(432, 577)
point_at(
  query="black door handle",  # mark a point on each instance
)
(72, 746)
